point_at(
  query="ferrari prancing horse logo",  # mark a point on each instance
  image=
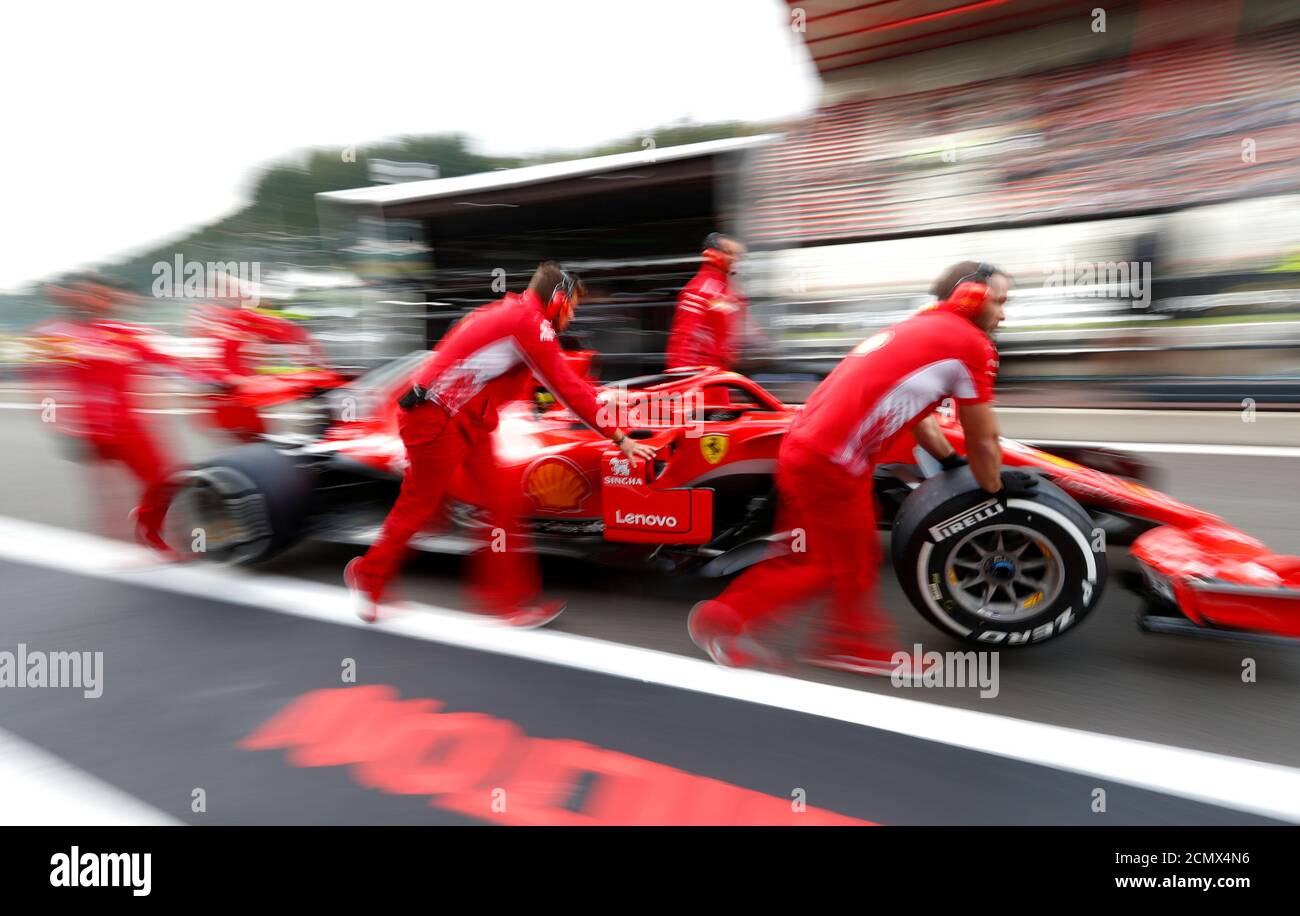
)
(714, 448)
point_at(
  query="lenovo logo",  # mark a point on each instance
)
(644, 520)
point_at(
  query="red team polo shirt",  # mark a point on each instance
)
(890, 381)
(708, 321)
(485, 360)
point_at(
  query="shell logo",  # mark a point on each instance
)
(872, 343)
(556, 484)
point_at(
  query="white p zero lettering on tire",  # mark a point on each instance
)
(1007, 573)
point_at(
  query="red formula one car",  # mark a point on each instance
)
(1011, 572)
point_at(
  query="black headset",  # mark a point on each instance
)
(562, 293)
(982, 274)
(568, 283)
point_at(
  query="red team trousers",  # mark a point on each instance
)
(835, 511)
(135, 446)
(437, 446)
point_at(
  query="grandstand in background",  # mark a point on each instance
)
(1034, 133)
(1127, 130)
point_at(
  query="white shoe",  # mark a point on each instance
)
(366, 607)
(534, 616)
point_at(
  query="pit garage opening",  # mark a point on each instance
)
(630, 223)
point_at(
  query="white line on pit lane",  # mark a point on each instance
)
(1174, 448)
(1246, 785)
(1172, 413)
(168, 411)
(1170, 448)
(37, 788)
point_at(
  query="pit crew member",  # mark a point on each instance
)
(236, 325)
(711, 313)
(100, 361)
(890, 384)
(446, 421)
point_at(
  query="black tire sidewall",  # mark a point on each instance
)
(284, 489)
(929, 529)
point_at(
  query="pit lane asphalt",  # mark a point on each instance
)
(1105, 677)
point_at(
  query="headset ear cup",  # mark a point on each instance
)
(718, 258)
(560, 296)
(555, 307)
(968, 298)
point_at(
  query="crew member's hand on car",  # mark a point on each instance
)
(930, 437)
(631, 448)
(1018, 483)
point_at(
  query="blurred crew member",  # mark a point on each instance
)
(888, 385)
(446, 421)
(99, 360)
(235, 326)
(710, 318)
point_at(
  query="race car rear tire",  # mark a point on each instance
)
(242, 507)
(996, 572)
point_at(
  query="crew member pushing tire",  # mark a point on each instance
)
(888, 385)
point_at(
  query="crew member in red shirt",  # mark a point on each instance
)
(889, 384)
(236, 324)
(446, 421)
(99, 360)
(711, 314)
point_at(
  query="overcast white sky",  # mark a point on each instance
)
(128, 122)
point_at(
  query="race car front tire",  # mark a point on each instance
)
(994, 571)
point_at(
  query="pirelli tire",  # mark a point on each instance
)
(242, 507)
(997, 572)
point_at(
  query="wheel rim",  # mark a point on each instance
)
(200, 506)
(1004, 572)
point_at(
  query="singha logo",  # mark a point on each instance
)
(620, 466)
